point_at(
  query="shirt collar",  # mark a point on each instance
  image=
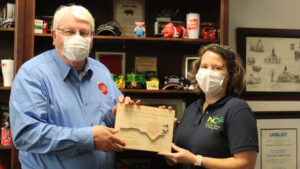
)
(64, 69)
(87, 69)
(218, 103)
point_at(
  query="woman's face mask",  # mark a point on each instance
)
(76, 47)
(210, 81)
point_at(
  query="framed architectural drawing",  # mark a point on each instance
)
(272, 59)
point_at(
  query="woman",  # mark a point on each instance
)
(219, 130)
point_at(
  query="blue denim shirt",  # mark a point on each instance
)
(52, 112)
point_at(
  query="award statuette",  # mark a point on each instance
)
(145, 128)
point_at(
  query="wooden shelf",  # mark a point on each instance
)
(7, 29)
(5, 147)
(155, 39)
(123, 38)
(4, 88)
(158, 91)
(43, 34)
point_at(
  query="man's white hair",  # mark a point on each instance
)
(77, 11)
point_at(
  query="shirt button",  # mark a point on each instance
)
(86, 104)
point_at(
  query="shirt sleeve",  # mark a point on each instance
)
(29, 106)
(242, 129)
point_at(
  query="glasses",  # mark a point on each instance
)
(72, 31)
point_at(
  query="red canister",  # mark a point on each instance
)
(6, 136)
(45, 26)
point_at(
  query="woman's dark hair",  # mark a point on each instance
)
(234, 65)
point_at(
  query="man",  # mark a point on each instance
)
(62, 102)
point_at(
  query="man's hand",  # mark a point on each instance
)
(105, 139)
(126, 100)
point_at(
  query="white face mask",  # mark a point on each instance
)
(210, 81)
(76, 47)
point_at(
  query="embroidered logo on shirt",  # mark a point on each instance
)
(102, 87)
(214, 122)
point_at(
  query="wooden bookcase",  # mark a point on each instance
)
(25, 44)
(11, 46)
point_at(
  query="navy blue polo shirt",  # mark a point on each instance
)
(226, 127)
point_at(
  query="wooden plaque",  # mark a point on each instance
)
(145, 128)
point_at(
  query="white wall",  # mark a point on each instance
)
(279, 14)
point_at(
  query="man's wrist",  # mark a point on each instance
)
(198, 161)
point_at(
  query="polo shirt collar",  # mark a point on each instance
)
(65, 69)
(220, 102)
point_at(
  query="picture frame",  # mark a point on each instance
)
(114, 61)
(177, 104)
(127, 12)
(278, 147)
(187, 63)
(145, 64)
(270, 57)
(280, 138)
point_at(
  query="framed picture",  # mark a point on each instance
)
(146, 64)
(114, 61)
(187, 64)
(177, 104)
(127, 12)
(271, 58)
(278, 143)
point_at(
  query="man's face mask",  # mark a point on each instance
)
(76, 47)
(210, 81)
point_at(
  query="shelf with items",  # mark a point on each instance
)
(124, 38)
(12, 44)
(213, 11)
(7, 43)
(169, 51)
(183, 92)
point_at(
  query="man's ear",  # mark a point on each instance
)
(53, 33)
(91, 43)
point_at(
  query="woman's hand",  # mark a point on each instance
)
(170, 108)
(181, 155)
(164, 107)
